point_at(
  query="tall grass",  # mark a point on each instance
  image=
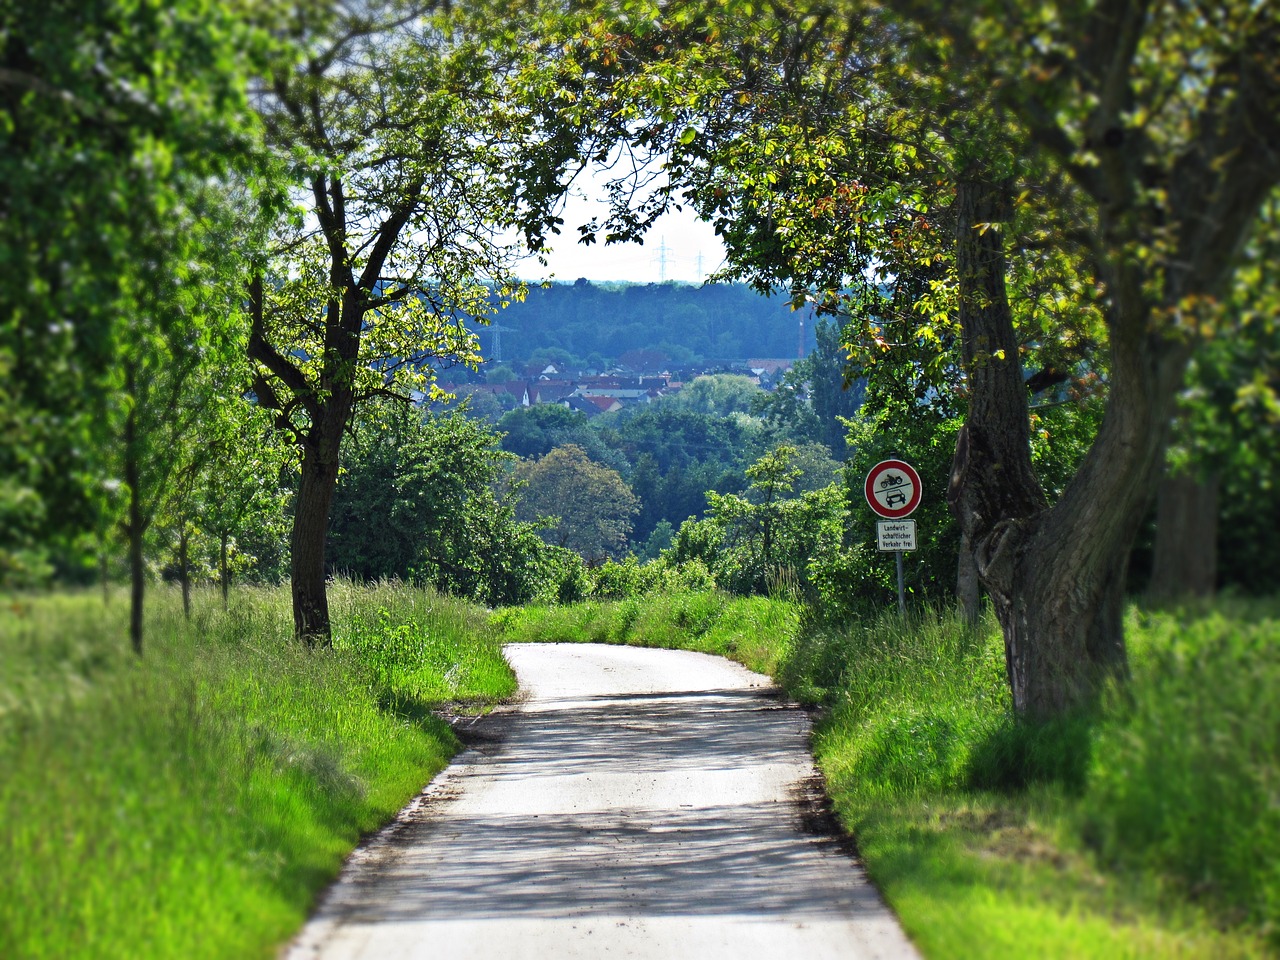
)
(193, 802)
(1185, 779)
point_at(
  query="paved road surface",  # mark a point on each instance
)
(639, 803)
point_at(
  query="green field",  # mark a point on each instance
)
(192, 803)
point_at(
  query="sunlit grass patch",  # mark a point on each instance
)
(193, 803)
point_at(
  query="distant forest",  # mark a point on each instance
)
(597, 323)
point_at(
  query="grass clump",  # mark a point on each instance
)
(752, 630)
(193, 802)
(420, 647)
(1185, 779)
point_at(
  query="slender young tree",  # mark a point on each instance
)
(117, 121)
(409, 166)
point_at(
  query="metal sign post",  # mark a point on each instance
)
(902, 597)
(893, 492)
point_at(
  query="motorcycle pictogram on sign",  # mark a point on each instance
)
(893, 489)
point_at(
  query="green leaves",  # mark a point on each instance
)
(127, 171)
(587, 506)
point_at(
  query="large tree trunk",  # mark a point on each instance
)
(1056, 576)
(993, 492)
(1185, 559)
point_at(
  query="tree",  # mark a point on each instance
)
(718, 394)
(408, 162)
(766, 539)
(813, 397)
(1110, 159)
(590, 505)
(120, 125)
(241, 493)
(1161, 164)
(535, 431)
(1217, 496)
(420, 500)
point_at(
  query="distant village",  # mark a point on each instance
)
(638, 377)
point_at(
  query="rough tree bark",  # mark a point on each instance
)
(968, 587)
(316, 488)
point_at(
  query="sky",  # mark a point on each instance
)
(678, 247)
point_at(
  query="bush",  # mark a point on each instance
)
(614, 580)
(563, 577)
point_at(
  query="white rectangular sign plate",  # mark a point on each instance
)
(893, 535)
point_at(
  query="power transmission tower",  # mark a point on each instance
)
(497, 330)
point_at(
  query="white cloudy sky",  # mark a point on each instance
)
(678, 247)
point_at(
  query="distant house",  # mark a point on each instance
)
(550, 391)
(645, 361)
(592, 406)
(516, 388)
(519, 389)
(771, 367)
(767, 373)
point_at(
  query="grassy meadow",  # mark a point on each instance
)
(1150, 829)
(192, 803)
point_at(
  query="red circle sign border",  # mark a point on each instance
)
(911, 504)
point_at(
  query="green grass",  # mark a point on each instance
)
(194, 802)
(1148, 829)
(755, 631)
(991, 838)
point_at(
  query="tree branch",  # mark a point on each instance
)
(261, 350)
(387, 235)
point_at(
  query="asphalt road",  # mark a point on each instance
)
(638, 803)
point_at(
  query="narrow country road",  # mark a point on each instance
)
(638, 803)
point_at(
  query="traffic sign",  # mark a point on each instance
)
(894, 535)
(893, 489)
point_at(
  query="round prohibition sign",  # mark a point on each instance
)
(893, 489)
